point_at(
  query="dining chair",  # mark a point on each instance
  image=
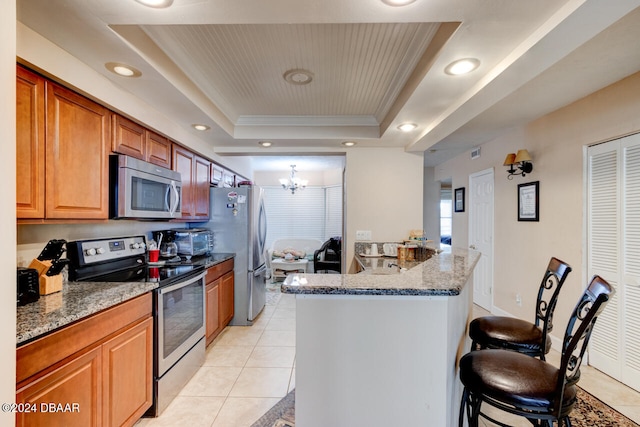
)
(502, 332)
(527, 386)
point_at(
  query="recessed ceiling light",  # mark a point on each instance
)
(123, 70)
(462, 66)
(398, 2)
(298, 76)
(265, 143)
(407, 127)
(158, 4)
(349, 143)
(200, 127)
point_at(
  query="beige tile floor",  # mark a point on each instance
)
(249, 369)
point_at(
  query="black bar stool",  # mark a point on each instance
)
(500, 332)
(527, 386)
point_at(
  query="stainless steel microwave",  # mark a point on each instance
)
(143, 190)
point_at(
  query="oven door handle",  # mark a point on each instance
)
(179, 285)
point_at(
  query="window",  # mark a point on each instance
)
(315, 212)
(446, 208)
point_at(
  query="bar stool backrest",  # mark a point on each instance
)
(554, 277)
(578, 332)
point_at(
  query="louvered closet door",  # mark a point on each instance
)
(614, 253)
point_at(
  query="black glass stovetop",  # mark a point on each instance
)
(163, 274)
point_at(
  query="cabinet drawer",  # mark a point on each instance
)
(218, 270)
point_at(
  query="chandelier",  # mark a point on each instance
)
(292, 183)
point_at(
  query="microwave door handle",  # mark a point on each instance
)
(167, 194)
(174, 187)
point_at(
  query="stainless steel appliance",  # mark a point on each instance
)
(139, 189)
(194, 241)
(179, 305)
(239, 224)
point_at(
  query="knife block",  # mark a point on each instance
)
(48, 284)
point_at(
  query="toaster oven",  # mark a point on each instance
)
(194, 241)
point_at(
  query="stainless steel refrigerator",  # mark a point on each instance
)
(239, 225)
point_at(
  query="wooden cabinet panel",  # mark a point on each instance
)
(158, 150)
(201, 188)
(30, 144)
(128, 137)
(77, 150)
(219, 292)
(216, 175)
(212, 314)
(135, 140)
(76, 383)
(183, 163)
(226, 298)
(127, 375)
(194, 171)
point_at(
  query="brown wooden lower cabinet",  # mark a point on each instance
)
(219, 298)
(105, 383)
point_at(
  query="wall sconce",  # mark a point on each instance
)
(522, 161)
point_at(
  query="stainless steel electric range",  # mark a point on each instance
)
(178, 305)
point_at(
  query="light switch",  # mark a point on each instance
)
(363, 235)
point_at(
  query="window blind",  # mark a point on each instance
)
(315, 212)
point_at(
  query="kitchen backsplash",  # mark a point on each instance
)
(33, 237)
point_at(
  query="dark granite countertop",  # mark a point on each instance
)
(75, 301)
(443, 274)
(81, 299)
(212, 259)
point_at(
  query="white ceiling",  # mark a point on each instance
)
(222, 63)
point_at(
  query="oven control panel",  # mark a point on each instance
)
(101, 250)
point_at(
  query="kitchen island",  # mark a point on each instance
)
(382, 349)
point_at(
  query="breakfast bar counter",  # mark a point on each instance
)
(382, 349)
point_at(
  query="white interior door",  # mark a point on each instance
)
(481, 235)
(614, 253)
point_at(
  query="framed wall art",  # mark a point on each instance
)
(458, 200)
(529, 201)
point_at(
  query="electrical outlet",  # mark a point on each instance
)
(363, 235)
(518, 300)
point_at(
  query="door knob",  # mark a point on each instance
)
(472, 247)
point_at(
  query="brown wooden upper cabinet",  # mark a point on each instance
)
(195, 183)
(63, 138)
(30, 114)
(135, 140)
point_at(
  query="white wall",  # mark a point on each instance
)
(383, 194)
(8, 213)
(431, 202)
(556, 143)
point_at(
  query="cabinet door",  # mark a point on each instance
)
(127, 375)
(212, 314)
(128, 137)
(77, 150)
(226, 299)
(201, 188)
(183, 162)
(30, 142)
(158, 150)
(76, 383)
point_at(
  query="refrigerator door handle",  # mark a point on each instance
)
(260, 270)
